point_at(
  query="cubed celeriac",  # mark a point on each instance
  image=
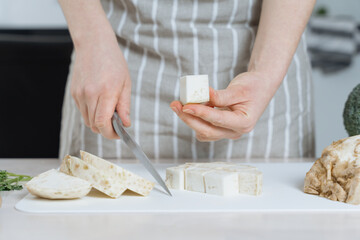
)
(219, 178)
(250, 182)
(194, 89)
(175, 177)
(194, 179)
(222, 183)
(238, 168)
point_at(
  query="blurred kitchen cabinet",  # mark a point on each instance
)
(34, 65)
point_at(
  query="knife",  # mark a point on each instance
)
(135, 148)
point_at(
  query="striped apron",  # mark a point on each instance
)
(163, 40)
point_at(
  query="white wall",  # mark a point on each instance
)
(330, 94)
(331, 90)
(341, 7)
(16, 14)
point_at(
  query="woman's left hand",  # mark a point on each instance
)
(237, 108)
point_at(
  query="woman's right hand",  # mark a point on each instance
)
(100, 81)
(101, 84)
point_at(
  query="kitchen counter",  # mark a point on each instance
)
(247, 225)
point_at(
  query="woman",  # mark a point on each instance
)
(253, 52)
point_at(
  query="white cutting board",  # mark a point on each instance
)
(282, 191)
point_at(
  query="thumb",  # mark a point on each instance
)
(226, 97)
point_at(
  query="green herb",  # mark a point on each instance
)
(10, 181)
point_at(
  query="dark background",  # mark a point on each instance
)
(34, 66)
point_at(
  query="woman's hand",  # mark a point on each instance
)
(237, 108)
(241, 104)
(100, 81)
(101, 84)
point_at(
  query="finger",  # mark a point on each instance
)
(104, 112)
(83, 110)
(217, 117)
(209, 104)
(227, 97)
(124, 103)
(77, 103)
(91, 108)
(203, 129)
(176, 106)
(81, 105)
(84, 113)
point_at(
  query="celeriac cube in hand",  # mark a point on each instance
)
(194, 89)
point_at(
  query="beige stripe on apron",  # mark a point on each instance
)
(163, 40)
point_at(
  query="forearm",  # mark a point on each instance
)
(282, 23)
(87, 22)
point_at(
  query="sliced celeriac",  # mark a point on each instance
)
(64, 166)
(53, 184)
(109, 184)
(130, 180)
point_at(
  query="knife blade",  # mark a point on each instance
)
(136, 150)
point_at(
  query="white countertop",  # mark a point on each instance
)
(253, 225)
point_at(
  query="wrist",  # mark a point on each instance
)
(90, 38)
(255, 81)
(267, 71)
(88, 23)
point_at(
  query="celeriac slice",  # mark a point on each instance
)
(53, 184)
(132, 181)
(110, 184)
(64, 166)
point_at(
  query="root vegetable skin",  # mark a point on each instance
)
(336, 174)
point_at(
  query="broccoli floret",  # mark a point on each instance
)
(351, 113)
